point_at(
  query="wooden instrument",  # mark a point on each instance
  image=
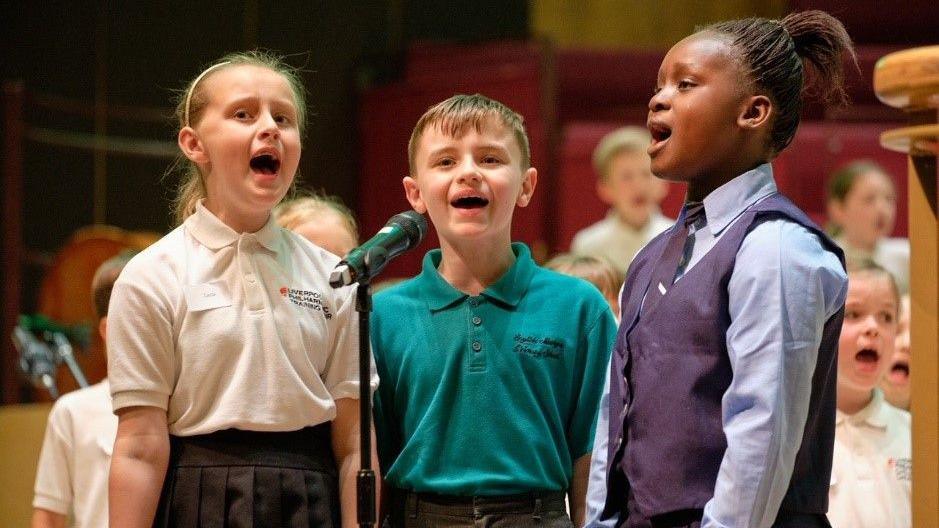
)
(909, 80)
(65, 294)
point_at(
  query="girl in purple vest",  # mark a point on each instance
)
(721, 402)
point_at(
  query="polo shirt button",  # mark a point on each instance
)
(477, 320)
(477, 346)
(474, 302)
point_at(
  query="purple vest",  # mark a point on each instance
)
(670, 369)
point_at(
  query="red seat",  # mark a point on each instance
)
(907, 23)
(613, 86)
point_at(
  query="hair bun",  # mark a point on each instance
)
(821, 39)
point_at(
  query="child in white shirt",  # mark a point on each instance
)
(870, 477)
(625, 182)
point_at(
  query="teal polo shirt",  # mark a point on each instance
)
(492, 394)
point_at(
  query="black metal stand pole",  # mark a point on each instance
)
(365, 480)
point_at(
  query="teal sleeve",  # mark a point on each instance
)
(596, 346)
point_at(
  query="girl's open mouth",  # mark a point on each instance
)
(899, 372)
(867, 355)
(265, 164)
(660, 135)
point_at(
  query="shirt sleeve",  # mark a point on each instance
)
(596, 485)
(53, 490)
(141, 349)
(341, 373)
(597, 343)
(782, 290)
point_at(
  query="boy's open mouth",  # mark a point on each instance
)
(265, 163)
(469, 202)
(867, 355)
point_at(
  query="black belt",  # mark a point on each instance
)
(468, 505)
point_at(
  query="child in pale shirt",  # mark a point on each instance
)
(896, 382)
(322, 219)
(870, 477)
(625, 182)
(596, 270)
(72, 475)
(862, 206)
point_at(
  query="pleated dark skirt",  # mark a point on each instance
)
(248, 479)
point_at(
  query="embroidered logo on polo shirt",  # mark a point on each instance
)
(538, 347)
(306, 299)
(902, 468)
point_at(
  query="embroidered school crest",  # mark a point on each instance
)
(307, 299)
(538, 347)
(902, 468)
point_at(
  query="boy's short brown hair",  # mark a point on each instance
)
(104, 279)
(457, 113)
(626, 139)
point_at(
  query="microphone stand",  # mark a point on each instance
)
(64, 348)
(375, 260)
(365, 480)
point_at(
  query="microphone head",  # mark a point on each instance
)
(413, 224)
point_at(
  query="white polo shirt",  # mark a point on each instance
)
(617, 241)
(871, 473)
(226, 330)
(72, 476)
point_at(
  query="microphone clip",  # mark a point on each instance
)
(375, 258)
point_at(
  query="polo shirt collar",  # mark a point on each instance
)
(511, 287)
(508, 290)
(214, 234)
(730, 200)
(873, 414)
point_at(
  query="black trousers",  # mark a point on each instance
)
(428, 510)
(251, 479)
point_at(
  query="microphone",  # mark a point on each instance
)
(79, 333)
(402, 232)
(37, 361)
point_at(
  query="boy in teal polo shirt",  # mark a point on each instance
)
(491, 367)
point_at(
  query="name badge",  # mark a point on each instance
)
(207, 296)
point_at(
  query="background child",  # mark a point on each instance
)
(72, 476)
(896, 382)
(721, 402)
(491, 367)
(595, 270)
(625, 182)
(233, 363)
(870, 481)
(862, 206)
(323, 220)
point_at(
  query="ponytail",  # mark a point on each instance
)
(772, 53)
(821, 39)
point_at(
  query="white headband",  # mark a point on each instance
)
(194, 83)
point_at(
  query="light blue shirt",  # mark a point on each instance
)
(785, 288)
